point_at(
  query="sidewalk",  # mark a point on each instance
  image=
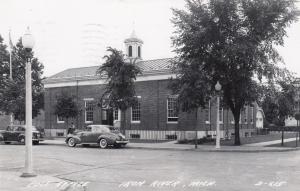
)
(263, 144)
(172, 145)
(11, 181)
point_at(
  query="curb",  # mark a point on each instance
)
(217, 150)
(242, 149)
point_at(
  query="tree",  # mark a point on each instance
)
(4, 59)
(12, 92)
(278, 102)
(232, 42)
(121, 74)
(66, 107)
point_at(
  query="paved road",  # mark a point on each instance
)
(136, 169)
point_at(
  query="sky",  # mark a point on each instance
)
(76, 33)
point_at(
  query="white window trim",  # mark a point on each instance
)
(85, 101)
(58, 121)
(119, 116)
(208, 122)
(132, 121)
(171, 122)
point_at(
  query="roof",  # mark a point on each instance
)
(148, 67)
(133, 38)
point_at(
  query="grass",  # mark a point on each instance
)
(246, 140)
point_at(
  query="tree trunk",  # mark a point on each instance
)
(282, 136)
(237, 141)
(196, 126)
(123, 121)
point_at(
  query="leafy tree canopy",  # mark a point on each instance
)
(278, 102)
(65, 106)
(120, 74)
(232, 42)
(12, 92)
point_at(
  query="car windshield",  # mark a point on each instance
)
(19, 128)
(114, 129)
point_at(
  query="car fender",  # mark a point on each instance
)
(21, 136)
(1, 137)
(76, 138)
(110, 139)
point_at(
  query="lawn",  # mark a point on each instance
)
(248, 140)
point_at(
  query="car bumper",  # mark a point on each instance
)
(122, 142)
(33, 139)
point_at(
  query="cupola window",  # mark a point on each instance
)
(130, 51)
(139, 51)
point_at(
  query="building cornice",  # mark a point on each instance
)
(94, 80)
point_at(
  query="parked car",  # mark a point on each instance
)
(16, 133)
(103, 135)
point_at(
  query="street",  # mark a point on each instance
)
(137, 169)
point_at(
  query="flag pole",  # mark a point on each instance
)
(10, 72)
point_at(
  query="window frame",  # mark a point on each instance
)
(130, 52)
(176, 118)
(86, 101)
(139, 112)
(139, 52)
(58, 120)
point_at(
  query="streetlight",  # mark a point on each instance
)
(218, 88)
(28, 43)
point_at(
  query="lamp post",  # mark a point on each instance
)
(218, 88)
(28, 43)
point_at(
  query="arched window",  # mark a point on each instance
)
(139, 51)
(130, 51)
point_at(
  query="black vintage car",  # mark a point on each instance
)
(16, 133)
(103, 135)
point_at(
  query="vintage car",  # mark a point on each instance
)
(103, 135)
(16, 133)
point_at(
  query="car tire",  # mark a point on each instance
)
(103, 143)
(22, 140)
(71, 142)
(35, 142)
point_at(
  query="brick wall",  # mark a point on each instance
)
(153, 100)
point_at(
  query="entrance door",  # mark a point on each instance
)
(107, 117)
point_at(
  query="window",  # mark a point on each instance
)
(172, 109)
(207, 113)
(139, 51)
(130, 51)
(60, 119)
(116, 115)
(136, 113)
(89, 112)
(251, 114)
(221, 115)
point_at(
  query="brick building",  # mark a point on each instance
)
(154, 117)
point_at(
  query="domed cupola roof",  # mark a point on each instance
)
(133, 38)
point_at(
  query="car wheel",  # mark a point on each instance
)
(22, 140)
(71, 142)
(103, 143)
(35, 142)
